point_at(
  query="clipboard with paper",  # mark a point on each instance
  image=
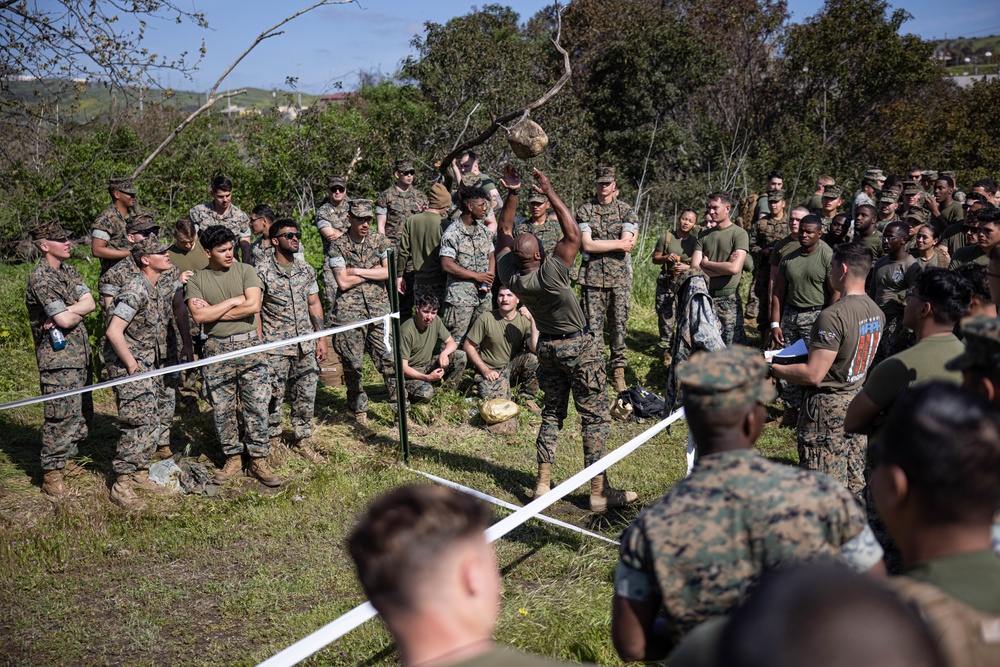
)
(796, 353)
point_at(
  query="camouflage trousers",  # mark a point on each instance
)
(613, 304)
(457, 318)
(351, 345)
(328, 295)
(824, 446)
(665, 318)
(729, 310)
(760, 299)
(66, 419)
(406, 299)
(575, 365)
(796, 324)
(522, 370)
(143, 406)
(420, 391)
(240, 392)
(300, 374)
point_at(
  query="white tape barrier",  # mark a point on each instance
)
(510, 506)
(236, 354)
(336, 629)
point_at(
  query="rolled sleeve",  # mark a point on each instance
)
(381, 210)
(630, 228)
(634, 585)
(314, 288)
(124, 311)
(53, 308)
(100, 234)
(337, 263)
(862, 552)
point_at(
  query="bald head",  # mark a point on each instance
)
(527, 245)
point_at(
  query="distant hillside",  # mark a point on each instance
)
(88, 101)
(960, 55)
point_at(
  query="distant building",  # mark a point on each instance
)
(332, 100)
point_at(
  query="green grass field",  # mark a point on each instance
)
(234, 578)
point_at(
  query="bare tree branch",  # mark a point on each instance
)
(499, 121)
(350, 167)
(213, 97)
(466, 126)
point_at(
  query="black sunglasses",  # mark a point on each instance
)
(337, 188)
(291, 235)
(408, 173)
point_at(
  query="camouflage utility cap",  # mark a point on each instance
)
(921, 215)
(50, 231)
(889, 196)
(875, 174)
(870, 181)
(141, 222)
(728, 378)
(404, 165)
(337, 182)
(360, 208)
(776, 195)
(605, 174)
(148, 246)
(982, 346)
(536, 196)
(929, 174)
(121, 184)
(911, 188)
(439, 197)
(949, 174)
(832, 191)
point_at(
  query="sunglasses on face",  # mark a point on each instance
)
(291, 235)
(337, 189)
(408, 173)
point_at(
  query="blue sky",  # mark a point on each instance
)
(332, 43)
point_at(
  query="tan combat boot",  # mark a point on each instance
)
(263, 472)
(361, 419)
(413, 427)
(73, 469)
(544, 480)
(162, 453)
(531, 406)
(603, 496)
(141, 480)
(123, 495)
(232, 468)
(304, 449)
(275, 442)
(618, 379)
(52, 484)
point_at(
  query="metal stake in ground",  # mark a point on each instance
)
(397, 360)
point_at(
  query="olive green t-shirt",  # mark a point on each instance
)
(781, 249)
(921, 363)
(970, 254)
(806, 275)
(420, 245)
(971, 578)
(717, 245)
(890, 281)
(194, 259)
(498, 340)
(852, 327)
(547, 292)
(952, 213)
(418, 347)
(217, 286)
(953, 237)
(668, 244)
(874, 243)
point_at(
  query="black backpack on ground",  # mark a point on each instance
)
(645, 404)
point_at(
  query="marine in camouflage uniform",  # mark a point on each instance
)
(766, 232)
(719, 245)
(570, 358)
(606, 277)
(110, 225)
(55, 287)
(549, 232)
(694, 554)
(290, 307)
(139, 324)
(392, 207)
(850, 329)
(471, 247)
(233, 219)
(362, 300)
(239, 389)
(332, 222)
